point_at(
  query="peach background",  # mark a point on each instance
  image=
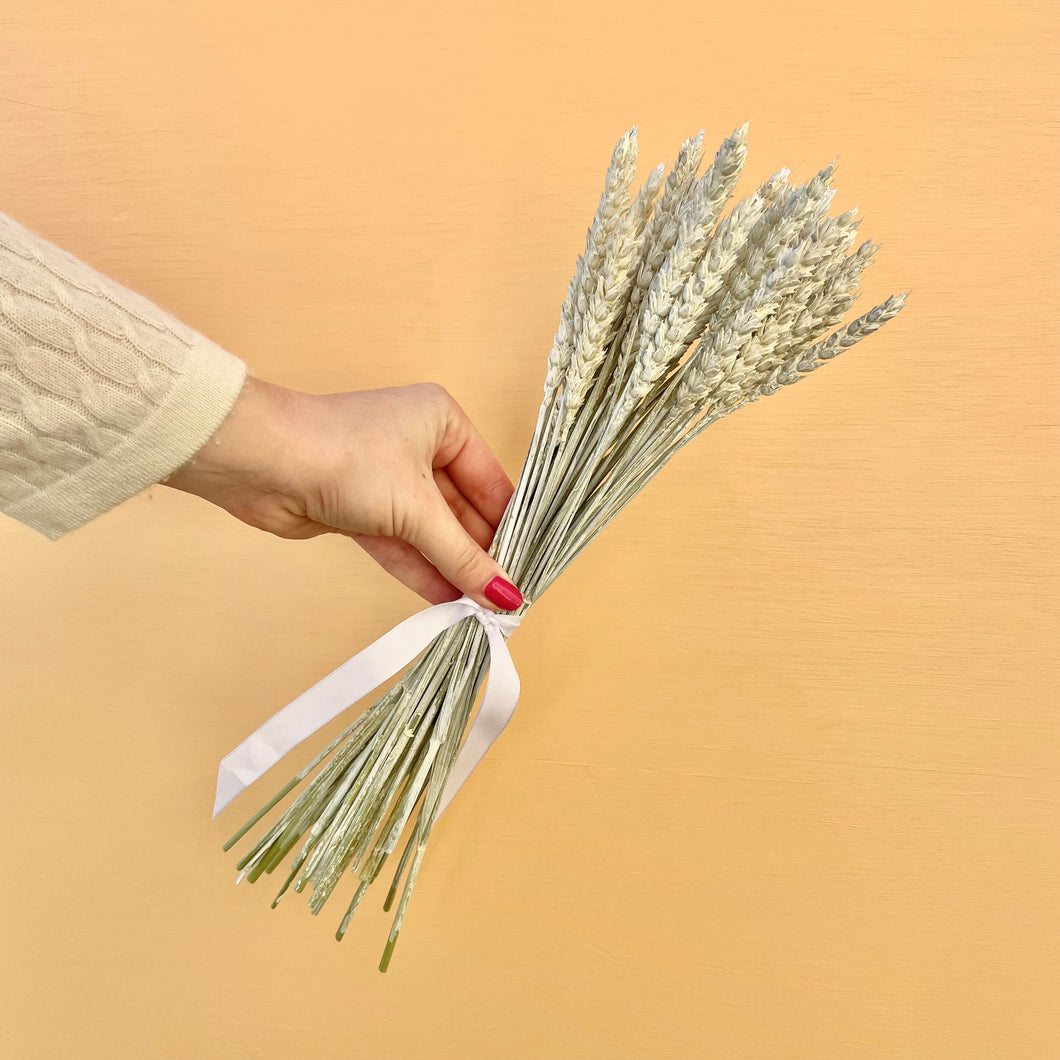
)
(783, 781)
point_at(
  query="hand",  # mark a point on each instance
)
(401, 470)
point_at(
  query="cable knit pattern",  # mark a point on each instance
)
(102, 393)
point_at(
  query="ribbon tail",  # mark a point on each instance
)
(498, 706)
(330, 696)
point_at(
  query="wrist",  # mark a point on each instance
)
(251, 453)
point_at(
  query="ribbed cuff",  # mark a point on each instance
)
(201, 397)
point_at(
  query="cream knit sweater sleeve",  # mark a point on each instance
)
(102, 393)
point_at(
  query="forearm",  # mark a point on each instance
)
(102, 392)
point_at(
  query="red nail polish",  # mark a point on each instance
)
(503, 594)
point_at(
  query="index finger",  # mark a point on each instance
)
(473, 468)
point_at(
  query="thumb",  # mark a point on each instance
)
(437, 533)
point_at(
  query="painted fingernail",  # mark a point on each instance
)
(503, 594)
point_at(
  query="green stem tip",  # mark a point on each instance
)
(388, 952)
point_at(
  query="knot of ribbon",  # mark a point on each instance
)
(369, 668)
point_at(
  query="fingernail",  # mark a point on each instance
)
(503, 594)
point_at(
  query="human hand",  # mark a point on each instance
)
(401, 470)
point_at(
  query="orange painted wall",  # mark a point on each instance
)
(783, 779)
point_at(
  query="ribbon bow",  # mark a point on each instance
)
(357, 677)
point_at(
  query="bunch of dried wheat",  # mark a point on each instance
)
(673, 319)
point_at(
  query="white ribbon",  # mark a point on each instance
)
(357, 677)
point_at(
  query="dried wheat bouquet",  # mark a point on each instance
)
(675, 317)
